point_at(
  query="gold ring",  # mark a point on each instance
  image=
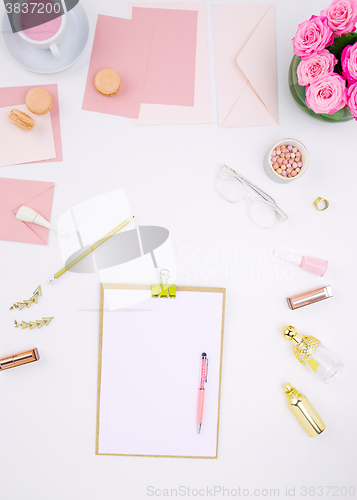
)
(321, 204)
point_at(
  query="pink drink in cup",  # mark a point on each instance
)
(41, 29)
(44, 31)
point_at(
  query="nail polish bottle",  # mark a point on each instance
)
(304, 411)
(311, 264)
(314, 355)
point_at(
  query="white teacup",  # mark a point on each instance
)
(47, 35)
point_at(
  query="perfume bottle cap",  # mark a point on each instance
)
(291, 257)
(290, 333)
(290, 391)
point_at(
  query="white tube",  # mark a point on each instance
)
(27, 214)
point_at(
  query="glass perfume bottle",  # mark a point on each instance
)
(304, 411)
(314, 355)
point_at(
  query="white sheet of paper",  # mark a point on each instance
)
(91, 219)
(21, 146)
(99, 215)
(159, 114)
(150, 369)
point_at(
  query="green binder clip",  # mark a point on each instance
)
(163, 289)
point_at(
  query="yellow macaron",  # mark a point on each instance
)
(107, 82)
(21, 120)
(39, 101)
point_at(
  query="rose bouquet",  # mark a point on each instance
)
(323, 72)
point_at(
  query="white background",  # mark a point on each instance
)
(48, 409)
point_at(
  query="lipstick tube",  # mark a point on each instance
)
(19, 359)
(311, 297)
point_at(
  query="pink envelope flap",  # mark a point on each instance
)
(17, 192)
(246, 90)
(257, 60)
(233, 25)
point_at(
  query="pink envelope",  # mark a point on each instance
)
(34, 194)
(123, 45)
(12, 96)
(245, 64)
(170, 77)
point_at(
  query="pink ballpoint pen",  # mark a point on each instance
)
(201, 392)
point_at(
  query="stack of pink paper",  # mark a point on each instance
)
(43, 144)
(154, 54)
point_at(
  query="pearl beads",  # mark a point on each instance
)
(286, 161)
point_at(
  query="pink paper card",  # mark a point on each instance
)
(21, 146)
(12, 96)
(161, 114)
(170, 77)
(124, 46)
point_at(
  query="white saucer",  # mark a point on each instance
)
(42, 60)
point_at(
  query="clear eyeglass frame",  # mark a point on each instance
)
(258, 196)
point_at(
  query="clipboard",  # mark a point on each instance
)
(149, 368)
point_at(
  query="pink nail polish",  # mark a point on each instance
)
(311, 264)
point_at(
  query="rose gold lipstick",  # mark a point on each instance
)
(19, 359)
(311, 297)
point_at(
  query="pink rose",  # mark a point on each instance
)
(312, 36)
(351, 95)
(327, 95)
(316, 66)
(341, 16)
(349, 63)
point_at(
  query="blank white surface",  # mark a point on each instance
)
(150, 371)
(48, 408)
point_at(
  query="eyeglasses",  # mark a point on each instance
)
(263, 210)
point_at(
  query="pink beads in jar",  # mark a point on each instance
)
(286, 160)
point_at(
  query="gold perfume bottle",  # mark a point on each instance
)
(304, 411)
(314, 355)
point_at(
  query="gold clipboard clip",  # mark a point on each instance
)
(163, 289)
